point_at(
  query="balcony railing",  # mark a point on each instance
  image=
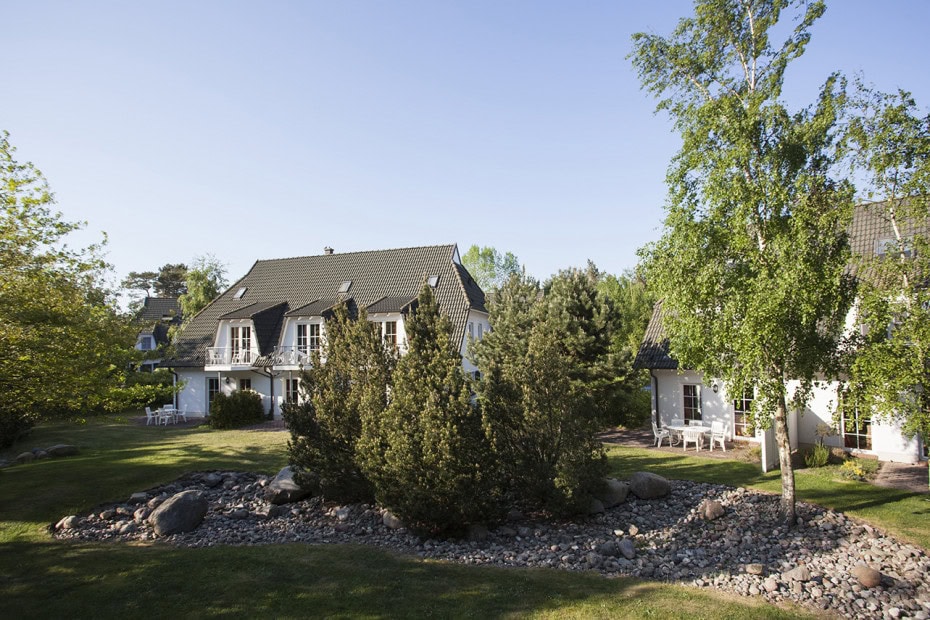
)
(226, 356)
(292, 356)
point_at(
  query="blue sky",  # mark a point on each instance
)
(254, 130)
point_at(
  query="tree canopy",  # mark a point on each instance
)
(489, 267)
(63, 344)
(206, 279)
(752, 257)
(889, 370)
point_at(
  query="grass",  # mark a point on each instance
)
(42, 577)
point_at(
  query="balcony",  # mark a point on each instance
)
(226, 357)
(293, 356)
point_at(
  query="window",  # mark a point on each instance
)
(390, 333)
(692, 403)
(471, 330)
(240, 293)
(146, 343)
(290, 390)
(240, 339)
(314, 336)
(245, 384)
(213, 388)
(480, 331)
(742, 417)
(433, 281)
(345, 286)
(857, 429)
(302, 338)
(883, 247)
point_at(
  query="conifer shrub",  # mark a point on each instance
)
(427, 455)
(326, 423)
(13, 425)
(241, 408)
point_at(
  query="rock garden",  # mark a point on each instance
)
(704, 535)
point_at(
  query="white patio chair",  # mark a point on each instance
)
(166, 414)
(718, 433)
(694, 434)
(660, 435)
(182, 413)
(150, 416)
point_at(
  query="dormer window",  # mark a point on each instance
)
(885, 246)
(344, 287)
(240, 293)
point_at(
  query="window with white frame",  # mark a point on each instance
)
(480, 331)
(245, 384)
(291, 390)
(390, 333)
(692, 402)
(240, 341)
(213, 388)
(146, 342)
(742, 416)
(314, 336)
(857, 428)
(308, 337)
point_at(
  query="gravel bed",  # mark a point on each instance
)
(747, 551)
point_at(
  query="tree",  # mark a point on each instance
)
(488, 267)
(426, 455)
(889, 371)
(751, 261)
(205, 280)
(171, 280)
(548, 382)
(63, 344)
(336, 397)
(634, 302)
(142, 281)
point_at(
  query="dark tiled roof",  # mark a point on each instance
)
(320, 307)
(653, 352)
(390, 304)
(304, 281)
(155, 308)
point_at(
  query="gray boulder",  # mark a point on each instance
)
(868, 577)
(711, 509)
(646, 485)
(284, 488)
(179, 513)
(609, 549)
(390, 521)
(67, 523)
(798, 573)
(596, 507)
(62, 450)
(613, 492)
(627, 549)
(25, 457)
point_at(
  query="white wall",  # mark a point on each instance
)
(475, 319)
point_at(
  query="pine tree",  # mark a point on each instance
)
(347, 381)
(427, 455)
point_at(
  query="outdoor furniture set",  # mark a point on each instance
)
(692, 433)
(168, 414)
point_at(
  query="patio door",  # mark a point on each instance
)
(213, 388)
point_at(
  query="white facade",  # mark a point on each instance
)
(477, 326)
(880, 438)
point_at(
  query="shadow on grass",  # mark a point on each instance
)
(52, 580)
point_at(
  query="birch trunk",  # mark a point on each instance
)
(784, 460)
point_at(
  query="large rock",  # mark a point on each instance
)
(391, 521)
(62, 450)
(596, 507)
(711, 509)
(613, 492)
(868, 577)
(284, 488)
(179, 513)
(25, 457)
(646, 485)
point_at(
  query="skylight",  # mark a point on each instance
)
(433, 281)
(345, 286)
(239, 294)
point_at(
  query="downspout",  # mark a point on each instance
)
(174, 385)
(268, 372)
(655, 396)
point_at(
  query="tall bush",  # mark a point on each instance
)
(326, 423)
(427, 455)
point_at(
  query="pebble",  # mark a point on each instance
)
(664, 539)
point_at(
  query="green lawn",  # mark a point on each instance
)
(41, 577)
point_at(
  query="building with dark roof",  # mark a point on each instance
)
(261, 331)
(156, 316)
(682, 395)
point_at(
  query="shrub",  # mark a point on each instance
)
(427, 455)
(818, 456)
(12, 427)
(241, 408)
(325, 425)
(859, 469)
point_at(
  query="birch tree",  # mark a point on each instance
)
(752, 256)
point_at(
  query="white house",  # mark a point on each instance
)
(684, 395)
(156, 316)
(260, 332)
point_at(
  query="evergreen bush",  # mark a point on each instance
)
(241, 408)
(326, 423)
(818, 456)
(427, 455)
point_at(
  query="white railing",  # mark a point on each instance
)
(293, 356)
(225, 356)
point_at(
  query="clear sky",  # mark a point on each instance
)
(251, 130)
